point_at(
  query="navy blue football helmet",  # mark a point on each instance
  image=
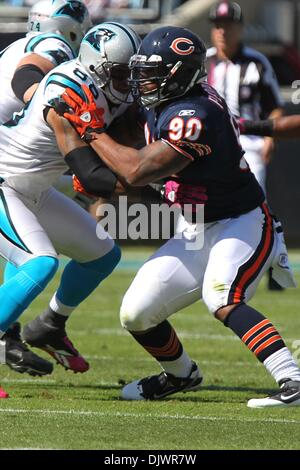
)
(169, 62)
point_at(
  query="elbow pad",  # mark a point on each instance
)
(24, 77)
(93, 174)
(260, 128)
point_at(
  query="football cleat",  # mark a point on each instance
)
(54, 341)
(289, 395)
(18, 357)
(159, 386)
(3, 393)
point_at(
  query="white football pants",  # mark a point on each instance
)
(227, 270)
(54, 224)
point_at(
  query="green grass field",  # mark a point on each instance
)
(68, 411)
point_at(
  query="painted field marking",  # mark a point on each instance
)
(102, 414)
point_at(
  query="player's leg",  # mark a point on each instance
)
(24, 243)
(65, 185)
(169, 281)
(75, 234)
(241, 255)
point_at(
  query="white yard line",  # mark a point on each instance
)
(150, 359)
(28, 448)
(28, 381)
(102, 414)
(181, 334)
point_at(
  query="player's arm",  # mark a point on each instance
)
(92, 173)
(269, 143)
(134, 167)
(29, 73)
(286, 127)
(95, 177)
(41, 57)
(139, 167)
(271, 103)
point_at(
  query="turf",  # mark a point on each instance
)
(68, 411)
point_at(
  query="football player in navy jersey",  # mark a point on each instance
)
(193, 145)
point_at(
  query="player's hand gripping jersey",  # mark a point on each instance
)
(30, 161)
(201, 128)
(84, 114)
(50, 46)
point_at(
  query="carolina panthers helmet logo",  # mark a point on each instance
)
(74, 9)
(96, 37)
(182, 46)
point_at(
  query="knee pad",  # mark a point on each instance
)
(10, 271)
(132, 318)
(40, 270)
(215, 295)
(140, 311)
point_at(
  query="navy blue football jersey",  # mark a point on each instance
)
(201, 128)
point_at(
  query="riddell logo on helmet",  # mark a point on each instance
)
(179, 46)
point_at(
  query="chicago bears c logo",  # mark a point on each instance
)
(179, 46)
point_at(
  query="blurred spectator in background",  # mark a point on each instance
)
(21, 3)
(95, 8)
(15, 3)
(245, 79)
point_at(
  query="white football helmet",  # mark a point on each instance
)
(68, 18)
(105, 52)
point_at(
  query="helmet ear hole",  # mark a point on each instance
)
(73, 36)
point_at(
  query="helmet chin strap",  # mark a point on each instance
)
(157, 99)
(195, 79)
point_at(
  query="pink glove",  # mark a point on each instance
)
(181, 193)
(241, 123)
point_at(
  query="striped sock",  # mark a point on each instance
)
(163, 344)
(282, 365)
(258, 333)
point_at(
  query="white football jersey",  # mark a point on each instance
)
(50, 46)
(30, 161)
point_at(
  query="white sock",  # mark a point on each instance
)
(181, 367)
(282, 365)
(59, 307)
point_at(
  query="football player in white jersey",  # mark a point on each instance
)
(36, 221)
(55, 30)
